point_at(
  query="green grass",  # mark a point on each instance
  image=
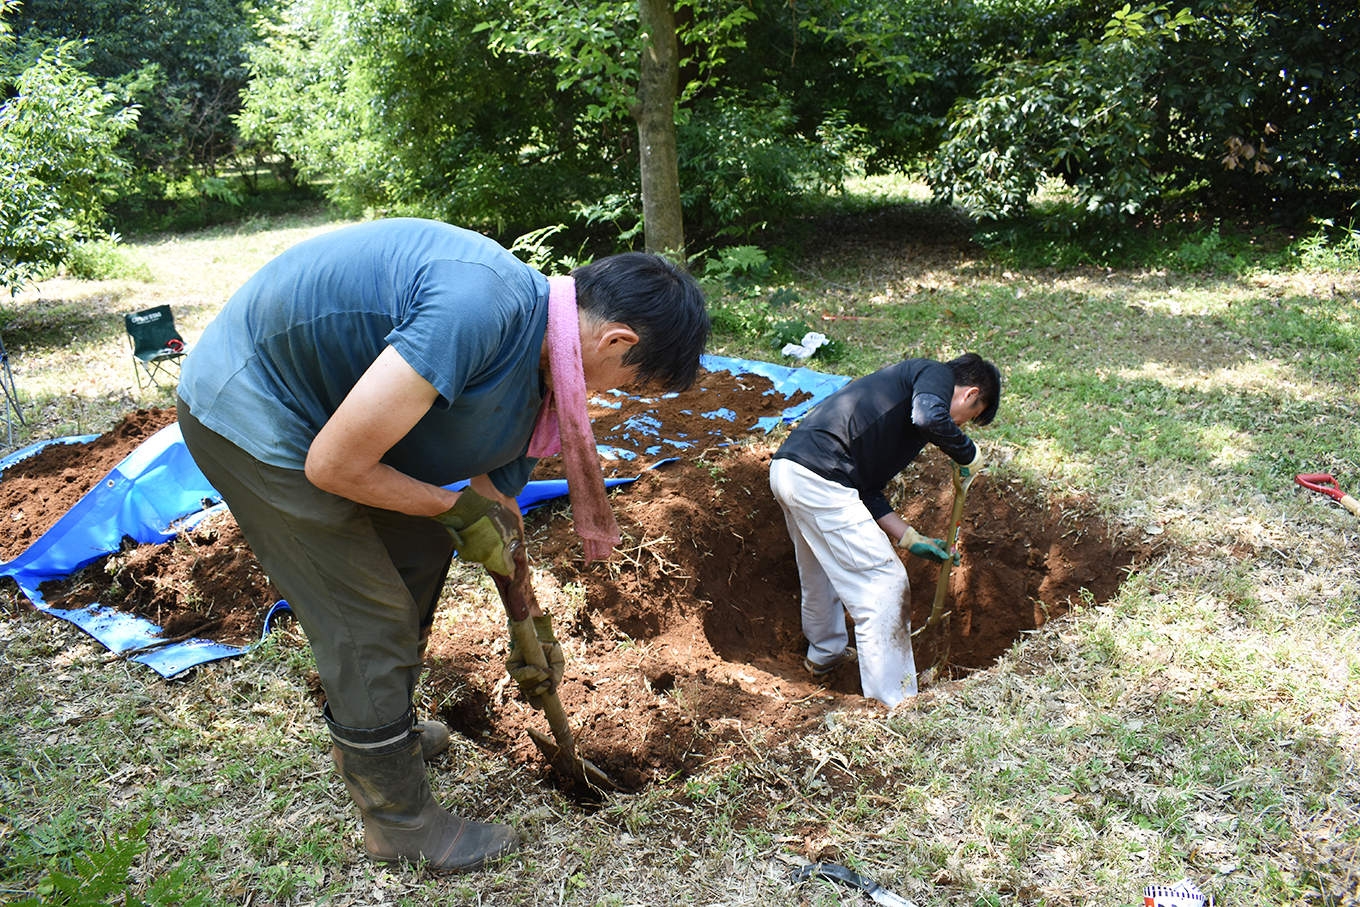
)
(1201, 724)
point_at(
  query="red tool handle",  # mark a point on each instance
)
(1318, 481)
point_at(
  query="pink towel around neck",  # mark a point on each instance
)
(564, 424)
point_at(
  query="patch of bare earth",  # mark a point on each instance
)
(687, 647)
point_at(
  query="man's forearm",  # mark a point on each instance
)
(386, 488)
(892, 524)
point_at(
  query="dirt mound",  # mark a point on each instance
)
(686, 645)
(39, 489)
(692, 636)
(206, 583)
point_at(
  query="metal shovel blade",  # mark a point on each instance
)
(575, 766)
(851, 879)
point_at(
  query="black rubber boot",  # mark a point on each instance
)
(385, 775)
(434, 737)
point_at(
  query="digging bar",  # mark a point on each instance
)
(560, 749)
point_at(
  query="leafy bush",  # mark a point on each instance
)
(105, 259)
(1084, 117)
(404, 108)
(1332, 247)
(1244, 103)
(744, 162)
(57, 163)
(181, 62)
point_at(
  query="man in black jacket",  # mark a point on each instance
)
(829, 477)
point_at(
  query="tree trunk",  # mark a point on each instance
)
(654, 110)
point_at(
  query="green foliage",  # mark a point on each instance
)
(1083, 117)
(1330, 248)
(744, 307)
(105, 259)
(57, 163)
(594, 48)
(1209, 253)
(1246, 103)
(54, 844)
(404, 107)
(96, 878)
(737, 268)
(181, 61)
(534, 249)
(744, 162)
(732, 283)
(793, 330)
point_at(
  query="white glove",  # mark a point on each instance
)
(969, 471)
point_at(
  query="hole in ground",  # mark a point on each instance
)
(687, 646)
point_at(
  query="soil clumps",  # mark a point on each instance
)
(685, 647)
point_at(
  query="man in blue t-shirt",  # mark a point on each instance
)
(829, 476)
(333, 398)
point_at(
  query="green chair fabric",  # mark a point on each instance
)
(157, 347)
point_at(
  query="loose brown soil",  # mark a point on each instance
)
(39, 490)
(686, 647)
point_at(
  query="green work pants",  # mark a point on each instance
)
(363, 582)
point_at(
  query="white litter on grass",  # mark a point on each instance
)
(811, 342)
(1184, 893)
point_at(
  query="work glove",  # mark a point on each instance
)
(481, 530)
(534, 682)
(930, 549)
(968, 472)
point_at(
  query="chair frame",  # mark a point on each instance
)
(161, 351)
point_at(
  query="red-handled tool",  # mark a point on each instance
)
(1327, 485)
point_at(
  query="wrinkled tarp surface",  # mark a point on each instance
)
(158, 490)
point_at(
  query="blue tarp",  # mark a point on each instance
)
(158, 490)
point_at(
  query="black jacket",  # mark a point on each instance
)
(868, 431)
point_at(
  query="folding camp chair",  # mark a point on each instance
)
(157, 347)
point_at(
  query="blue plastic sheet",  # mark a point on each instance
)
(158, 491)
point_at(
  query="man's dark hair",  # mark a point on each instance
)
(661, 302)
(971, 370)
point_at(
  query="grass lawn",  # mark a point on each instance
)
(1205, 723)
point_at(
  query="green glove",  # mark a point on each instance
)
(481, 528)
(968, 472)
(919, 545)
(535, 681)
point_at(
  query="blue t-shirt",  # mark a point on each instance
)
(468, 316)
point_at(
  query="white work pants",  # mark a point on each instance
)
(846, 560)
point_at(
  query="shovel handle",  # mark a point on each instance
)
(515, 594)
(951, 542)
(526, 638)
(1326, 484)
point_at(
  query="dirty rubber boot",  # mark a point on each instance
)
(385, 775)
(434, 737)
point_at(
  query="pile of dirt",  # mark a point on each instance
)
(206, 584)
(686, 645)
(641, 432)
(39, 489)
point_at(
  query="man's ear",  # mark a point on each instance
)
(612, 333)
